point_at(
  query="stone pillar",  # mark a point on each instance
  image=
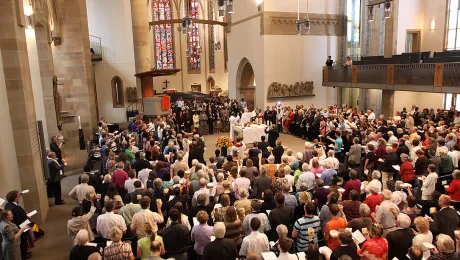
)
(45, 61)
(391, 31)
(23, 144)
(36, 80)
(141, 34)
(73, 67)
(388, 104)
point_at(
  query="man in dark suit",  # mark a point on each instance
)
(446, 220)
(400, 240)
(19, 216)
(402, 148)
(140, 163)
(221, 248)
(278, 152)
(177, 198)
(261, 183)
(201, 201)
(138, 191)
(282, 214)
(196, 152)
(268, 116)
(56, 148)
(263, 145)
(54, 182)
(273, 134)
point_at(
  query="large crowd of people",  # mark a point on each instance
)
(363, 187)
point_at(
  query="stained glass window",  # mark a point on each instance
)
(194, 38)
(212, 55)
(164, 53)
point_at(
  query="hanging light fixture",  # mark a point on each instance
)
(387, 8)
(298, 22)
(259, 5)
(370, 13)
(222, 7)
(307, 22)
(230, 6)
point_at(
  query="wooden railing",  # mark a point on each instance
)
(423, 74)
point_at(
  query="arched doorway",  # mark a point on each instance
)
(246, 83)
(210, 84)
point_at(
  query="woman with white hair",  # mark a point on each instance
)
(445, 249)
(272, 168)
(82, 250)
(446, 167)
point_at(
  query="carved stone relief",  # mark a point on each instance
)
(131, 94)
(57, 100)
(299, 89)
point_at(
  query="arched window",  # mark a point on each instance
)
(163, 33)
(194, 38)
(117, 92)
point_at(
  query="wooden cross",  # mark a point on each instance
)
(166, 82)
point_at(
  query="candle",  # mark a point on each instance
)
(79, 122)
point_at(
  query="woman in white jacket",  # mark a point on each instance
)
(429, 182)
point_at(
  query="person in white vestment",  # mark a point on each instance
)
(246, 116)
(233, 119)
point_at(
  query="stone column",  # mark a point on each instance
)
(391, 31)
(141, 34)
(73, 67)
(388, 102)
(22, 140)
(45, 61)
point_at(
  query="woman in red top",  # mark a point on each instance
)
(381, 152)
(407, 170)
(375, 247)
(454, 189)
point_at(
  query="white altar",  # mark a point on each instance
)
(250, 134)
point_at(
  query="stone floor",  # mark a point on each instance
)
(56, 244)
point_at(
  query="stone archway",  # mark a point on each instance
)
(246, 83)
(210, 84)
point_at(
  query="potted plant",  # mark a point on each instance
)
(224, 143)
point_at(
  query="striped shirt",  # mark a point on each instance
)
(301, 226)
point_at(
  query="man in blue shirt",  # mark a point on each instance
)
(338, 143)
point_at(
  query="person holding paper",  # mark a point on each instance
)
(337, 222)
(347, 247)
(11, 234)
(255, 242)
(19, 216)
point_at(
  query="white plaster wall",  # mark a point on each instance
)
(299, 59)
(111, 20)
(421, 99)
(245, 41)
(433, 40)
(9, 173)
(411, 17)
(314, 6)
(36, 80)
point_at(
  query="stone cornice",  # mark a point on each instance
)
(283, 23)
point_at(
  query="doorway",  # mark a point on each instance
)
(211, 84)
(413, 41)
(246, 81)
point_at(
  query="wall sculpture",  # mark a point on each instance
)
(298, 89)
(131, 94)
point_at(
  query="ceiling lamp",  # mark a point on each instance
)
(387, 8)
(221, 8)
(370, 13)
(305, 22)
(186, 24)
(230, 6)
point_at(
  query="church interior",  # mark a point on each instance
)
(66, 64)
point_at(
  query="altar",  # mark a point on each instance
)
(250, 134)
